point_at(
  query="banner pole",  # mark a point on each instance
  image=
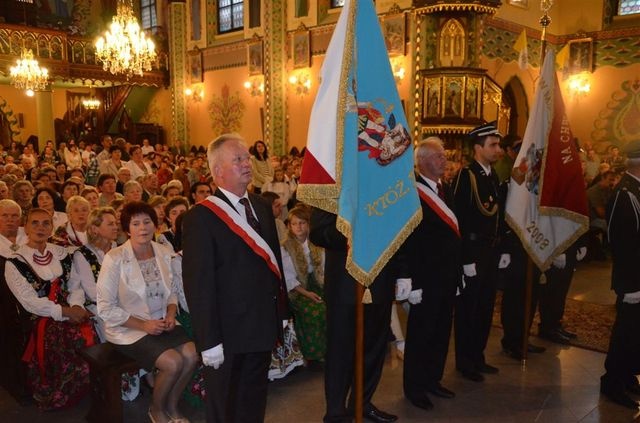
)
(527, 311)
(359, 354)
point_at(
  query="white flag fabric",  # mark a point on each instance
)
(547, 203)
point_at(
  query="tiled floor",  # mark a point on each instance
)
(560, 385)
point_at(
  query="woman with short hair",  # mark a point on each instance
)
(136, 298)
(73, 234)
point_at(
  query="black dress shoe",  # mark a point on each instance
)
(620, 398)
(440, 391)
(488, 369)
(555, 336)
(422, 402)
(633, 389)
(471, 375)
(513, 352)
(535, 349)
(378, 416)
(566, 333)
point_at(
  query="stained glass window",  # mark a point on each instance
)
(628, 7)
(230, 15)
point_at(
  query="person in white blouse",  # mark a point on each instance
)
(44, 198)
(281, 187)
(37, 276)
(137, 165)
(73, 233)
(102, 231)
(136, 298)
(303, 265)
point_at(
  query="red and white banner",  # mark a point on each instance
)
(547, 203)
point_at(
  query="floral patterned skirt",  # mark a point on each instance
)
(310, 321)
(287, 356)
(194, 393)
(63, 378)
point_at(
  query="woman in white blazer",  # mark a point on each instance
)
(136, 298)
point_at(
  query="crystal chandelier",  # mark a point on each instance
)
(91, 103)
(124, 48)
(27, 73)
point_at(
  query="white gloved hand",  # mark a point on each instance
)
(469, 270)
(284, 323)
(560, 261)
(458, 290)
(415, 297)
(403, 288)
(213, 356)
(582, 251)
(505, 261)
(631, 298)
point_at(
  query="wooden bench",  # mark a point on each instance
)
(107, 366)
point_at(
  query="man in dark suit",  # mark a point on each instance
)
(433, 252)
(480, 209)
(623, 215)
(232, 277)
(339, 289)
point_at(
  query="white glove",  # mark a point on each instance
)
(213, 356)
(284, 323)
(403, 289)
(415, 297)
(469, 270)
(582, 251)
(458, 291)
(631, 298)
(505, 261)
(560, 261)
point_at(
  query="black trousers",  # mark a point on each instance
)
(623, 359)
(553, 296)
(427, 341)
(513, 300)
(339, 358)
(237, 391)
(474, 312)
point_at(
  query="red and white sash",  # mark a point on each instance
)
(241, 227)
(439, 207)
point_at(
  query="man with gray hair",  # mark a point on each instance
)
(434, 253)
(10, 216)
(232, 272)
(623, 216)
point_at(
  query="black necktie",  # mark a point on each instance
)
(251, 218)
(441, 192)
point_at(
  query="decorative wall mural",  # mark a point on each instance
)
(9, 127)
(226, 111)
(619, 122)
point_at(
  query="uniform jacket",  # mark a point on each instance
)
(623, 215)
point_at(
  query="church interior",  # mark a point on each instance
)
(252, 67)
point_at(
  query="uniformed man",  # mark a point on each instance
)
(623, 215)
(480, 210)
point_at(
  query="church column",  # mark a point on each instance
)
(44, 116)
(275, 90)
(178, 66)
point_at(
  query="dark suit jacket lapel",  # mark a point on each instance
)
(224, 198)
